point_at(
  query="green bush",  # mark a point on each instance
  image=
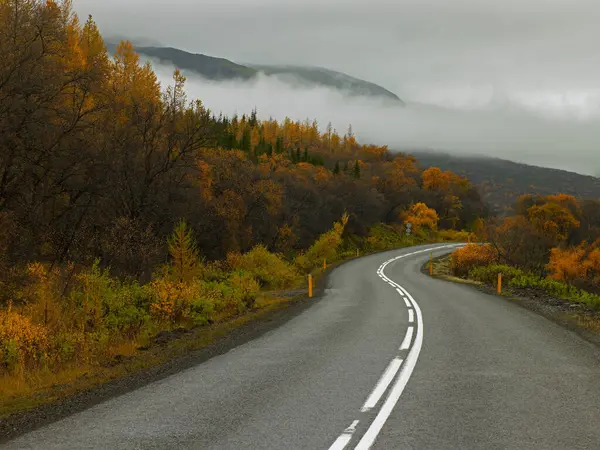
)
(386, 237)
(245, 288)
(268, 268)
(324, 248)
(489, 274)
(518, 278)
(556, 288)
(127, 310)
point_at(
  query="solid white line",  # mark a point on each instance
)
(407, 339)
(369, 437)
(411, 315)
(407, 369)
(345, 437)
(399, 291)
(383, 383)
(406, 302)
(405, 372)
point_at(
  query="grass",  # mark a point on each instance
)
(18, 394)
(442, 268)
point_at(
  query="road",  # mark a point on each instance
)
(387, 358)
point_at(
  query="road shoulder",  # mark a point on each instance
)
(576, 317)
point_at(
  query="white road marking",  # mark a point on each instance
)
(383, 383)
(341, 441)
(352, 427)
(407, 339)
(344, 438)
(411, 315)
(406, 371)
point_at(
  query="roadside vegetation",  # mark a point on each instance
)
(128, 211)
(552, 245)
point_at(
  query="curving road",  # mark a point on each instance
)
(388, 358)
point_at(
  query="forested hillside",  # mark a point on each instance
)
(98, 162)
(501, 182)
(127, 209)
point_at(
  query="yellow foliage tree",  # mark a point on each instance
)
(184, 254)
(421, 217)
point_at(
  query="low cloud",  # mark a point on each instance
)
(532, 126)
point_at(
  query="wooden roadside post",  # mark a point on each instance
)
(325, 264)
(310, 286)
(357, 253)
(430, 264)
(499, 283)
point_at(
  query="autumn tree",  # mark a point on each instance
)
(184, 253)
(421, 217)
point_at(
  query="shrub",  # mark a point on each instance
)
(128, 309)
(568, 264)
(325, 247)
(23, 344)
(245, 287)
(454, 236)
(472, 255)
(556, 288)
(489, 274)
(268, 268)
(171, 300)
(385, 237)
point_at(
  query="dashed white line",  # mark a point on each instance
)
(382, 385)
(407, 369)
(407, 339)
(345, 437)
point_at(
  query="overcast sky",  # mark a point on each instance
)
(513, 78)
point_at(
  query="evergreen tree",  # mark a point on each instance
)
(356, 171)
(246, 142)
(253, 119)
(336, 169)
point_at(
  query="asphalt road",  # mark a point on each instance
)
(423, 364)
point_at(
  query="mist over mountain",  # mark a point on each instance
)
(514, 79)
(221, 69)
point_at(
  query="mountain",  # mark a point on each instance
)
(501, 182)
(326, 77)
(220, 69)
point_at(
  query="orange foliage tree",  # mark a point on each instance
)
(473, 255)
(421, 217)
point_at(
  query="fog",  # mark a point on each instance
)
(514, 79)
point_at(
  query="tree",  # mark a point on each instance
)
(421, 217)
(336, 169)
(356, 170)
(184, 253)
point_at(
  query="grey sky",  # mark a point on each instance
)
(494, 56)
